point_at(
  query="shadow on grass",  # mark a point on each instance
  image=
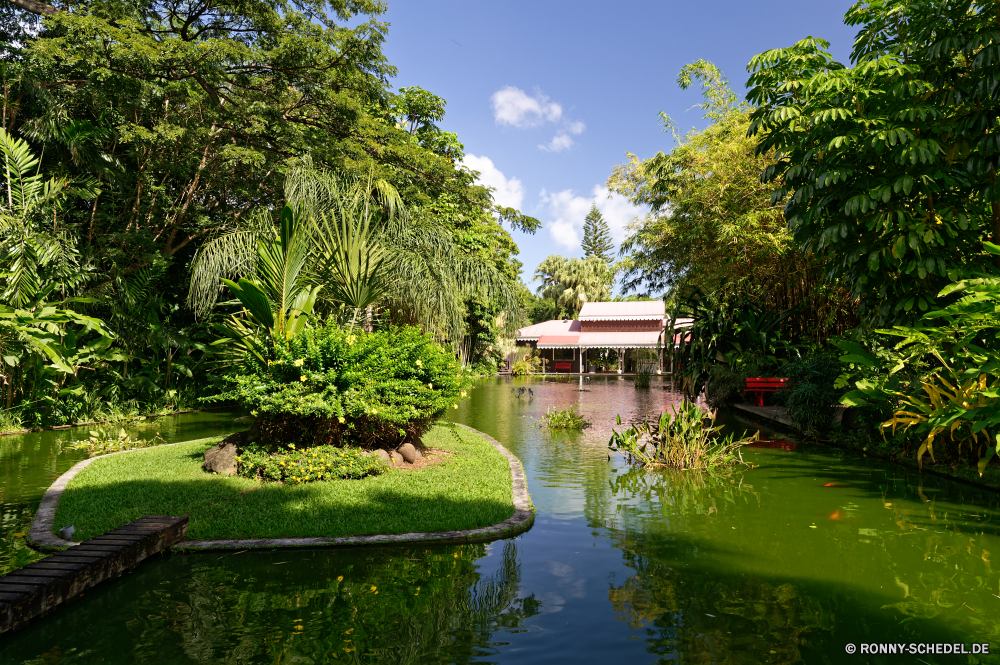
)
(230, 508)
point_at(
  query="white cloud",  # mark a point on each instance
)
(575, 127)
(567, 211)
(509, 191)
(559, 142)
(512, 106)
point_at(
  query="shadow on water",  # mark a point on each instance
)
(759, 595)
(387, 604)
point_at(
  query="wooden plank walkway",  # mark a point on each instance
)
(39, 587)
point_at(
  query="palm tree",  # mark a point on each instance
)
(573, 282)
(365, 252)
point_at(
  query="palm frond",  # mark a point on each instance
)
(230, 255)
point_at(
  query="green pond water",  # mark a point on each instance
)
(788, 562)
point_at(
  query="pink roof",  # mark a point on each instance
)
(645, 339)
(554, 327)
(623, 311)
(558, 341)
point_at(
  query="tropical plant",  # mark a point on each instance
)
(963, 410)
(811, 393)
(954, 356)
(355, 241)
(686, 439)
(26, 250)
(736, 334)
(328, 384)
(565, 419)
(888, 166)
(528, 364)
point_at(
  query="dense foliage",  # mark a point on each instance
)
(569, 283)
(168, 130)
(329, 384)
(889, 170)
(889, 166)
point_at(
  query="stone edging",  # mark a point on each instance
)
(41, 535)
(524, 516)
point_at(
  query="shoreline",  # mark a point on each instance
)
(51, 428)
(781, 420)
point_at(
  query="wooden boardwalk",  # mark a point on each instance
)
(39, 587)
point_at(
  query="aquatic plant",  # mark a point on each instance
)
(643, 375)
(688, 438)
(110, 438)
(565, 419)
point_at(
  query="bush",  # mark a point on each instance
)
(528, 364)
(307, 465)
(811, 395)
(334, 386)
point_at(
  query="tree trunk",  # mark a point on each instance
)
(35, 7)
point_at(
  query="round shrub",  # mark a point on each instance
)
(331, 386)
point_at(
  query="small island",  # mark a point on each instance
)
(464, 484)
(345, 440)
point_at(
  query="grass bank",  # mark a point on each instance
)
(469, 488)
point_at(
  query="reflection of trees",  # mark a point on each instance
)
(697, 615)
(913, 564)
(418, 605)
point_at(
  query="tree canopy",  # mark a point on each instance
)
(889, 166)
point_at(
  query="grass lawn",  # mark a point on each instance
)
(469, 488)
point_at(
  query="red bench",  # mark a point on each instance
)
(759, 386)
(564, 366)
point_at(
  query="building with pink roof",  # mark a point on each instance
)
(619, 326)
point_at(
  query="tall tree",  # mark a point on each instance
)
(572, 282)
(713, 226)
(597, 236)
(889, 166)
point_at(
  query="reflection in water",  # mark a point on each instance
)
(395, 605)
(788, 562)
(934, 578)
(697, 616)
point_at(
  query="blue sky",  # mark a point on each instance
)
(548, 96)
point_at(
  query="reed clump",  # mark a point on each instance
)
(567, 419)
(686, 438)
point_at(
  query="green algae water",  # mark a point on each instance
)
(814, 549)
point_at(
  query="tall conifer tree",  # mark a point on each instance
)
(597, 236)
